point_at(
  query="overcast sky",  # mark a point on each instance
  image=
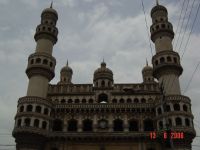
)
(89, 30)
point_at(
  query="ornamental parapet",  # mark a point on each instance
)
(31, 114)
(173, 99)
(35, 99)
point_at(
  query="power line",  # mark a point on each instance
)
(147, 27)
(179, 33)
(191, 77)
(183, 36)
(191, 31)
(179, 20)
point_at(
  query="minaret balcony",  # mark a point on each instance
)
(42, 64)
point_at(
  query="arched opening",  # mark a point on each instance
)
(159, 110)
(63, 101)
(121, 100)
(169, 59)
(114, 100)
(167, 109)
(175, 60)
(21, 109)
(36, 123)
(133, 125)
(178, 121)
(72, 125)
(77, 101)
(187, 122)
(118, 125)
(27, 122)
(38, 109)
(83, 100)
(143, 100)
(103, 83)
(156, 62)
(136, 100)
(185, 108)
(129, 100)
(51, 64)
(176, 107)
(87, 125)
(57, 125)
(162, 60)
(45, 61)
(46, 111)
(70, 101)
(148, 125)
(38, 60)
(29, 108)
(19, 122)
(91, 101)
(44, 125)
(54, 149)
(160, 125)
(102, 98)
(32, 61)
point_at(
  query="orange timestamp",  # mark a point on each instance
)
(170, 135)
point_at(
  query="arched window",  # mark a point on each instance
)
(57, 125)
(176, 107)
(169, 59)
(77, 101)
(87, 125)
(143, 100)
(114, 100)
(159, 110)
(38, 109)
(21, 109)
(102, 98)
(148, 125)
(91, 101)
(133, 125)
(45, 61)
(185, 108)
(162, 60)
(175, 60)
(83, 100)
(167, 109)
(44, 125)
(36, 123)
(62, 101)
(118, 125)
(178, 121)
(129, 100)
(70, 101)
(46, 111)
(103, 83)
(32, 61)
(121, 100)
(38, 60)
(136, 100)
(27, 122)
(187, 122)
(29, 108)
(170, 122)
(72, 125)
(19, 122)
(160, 125)
(163, 25)
(51, 64)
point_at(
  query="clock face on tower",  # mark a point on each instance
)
(103, 124)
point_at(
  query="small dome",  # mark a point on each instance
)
(103, 72)
(147, 68)
(67, 69)
(157, 8)
(50, 10)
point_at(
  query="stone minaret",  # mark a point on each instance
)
(33, 120)
(166, 62)
(66, 75)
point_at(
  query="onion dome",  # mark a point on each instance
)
(50, 10)
(158, 8)
(147, 73)
(103, 72)
(67, 69)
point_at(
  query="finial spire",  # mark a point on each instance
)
(51, 6)
(146, 62)
(67, 62)
(157, 2)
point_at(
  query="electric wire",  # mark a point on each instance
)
(179, 33)
(179, 20)
(147, 27)
(189, 17)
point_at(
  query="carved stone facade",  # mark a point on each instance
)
(103, 115)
